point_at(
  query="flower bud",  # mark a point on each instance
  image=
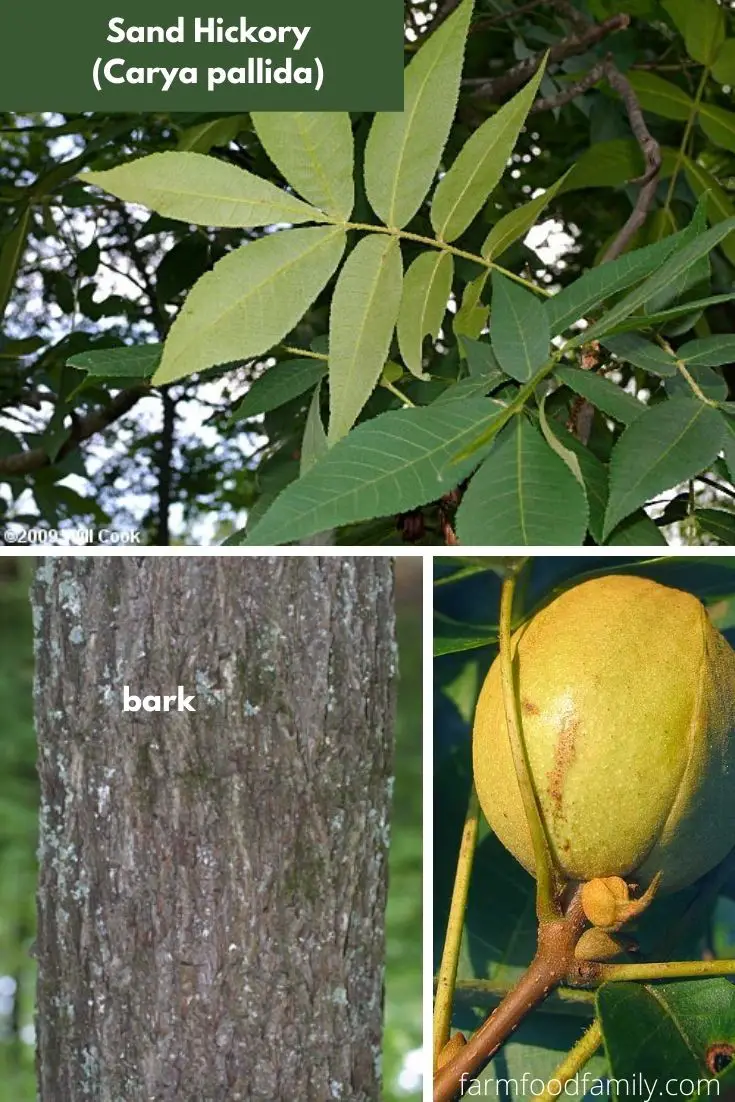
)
(627, 697)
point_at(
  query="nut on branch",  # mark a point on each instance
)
(627, 698)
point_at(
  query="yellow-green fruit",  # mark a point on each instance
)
(628, 708)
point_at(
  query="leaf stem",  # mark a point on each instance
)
(686, 373)
(397, 393)
(304, 352)
(447, 975)
(547, 908)
(664, 970)
(500, 420)
(435, 243)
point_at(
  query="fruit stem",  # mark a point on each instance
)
(547, 908)
(447, 976)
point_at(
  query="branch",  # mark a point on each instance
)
(651, 152)
(498, 87)
(26, 462)
(554, 958)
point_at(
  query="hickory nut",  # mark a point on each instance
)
(628, 709)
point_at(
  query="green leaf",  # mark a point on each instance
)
(638, 351)
(695, 274)
(88, 259)
(728, 443)
(602, 393)
(315, 152)
(181, 266)
(598, 284)
(637, 530)
(205, 135)
(426, 289)
(567, 455)
(723, 69)
(666, 1029)
(719, 125)
(693, 307)
(719, 205)
(451, 637)
(518, 222)
(717, 523)
(250, 300)
(136, 361)
(709, 351)
(396, 461)
(278, 385)
(519, 329)
(661, 96)
(677, 265)
(314, 445)
(670, 443)
(404, 147)
(364, 310)
(471, 318)
(202, 190)
(702, 25)
(11, 254)
(476, 386)
(594, 473)
(480, 164)
(522, 495)
(480, 357)
(606, 164)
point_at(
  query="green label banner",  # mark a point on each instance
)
(182, 55)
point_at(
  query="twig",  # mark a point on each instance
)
(596, 73)
(651, 152)
(498, 87)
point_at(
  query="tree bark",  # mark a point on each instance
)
(212, 883)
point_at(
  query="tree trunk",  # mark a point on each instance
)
(212, 884)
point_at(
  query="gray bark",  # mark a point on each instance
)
(212, 884)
